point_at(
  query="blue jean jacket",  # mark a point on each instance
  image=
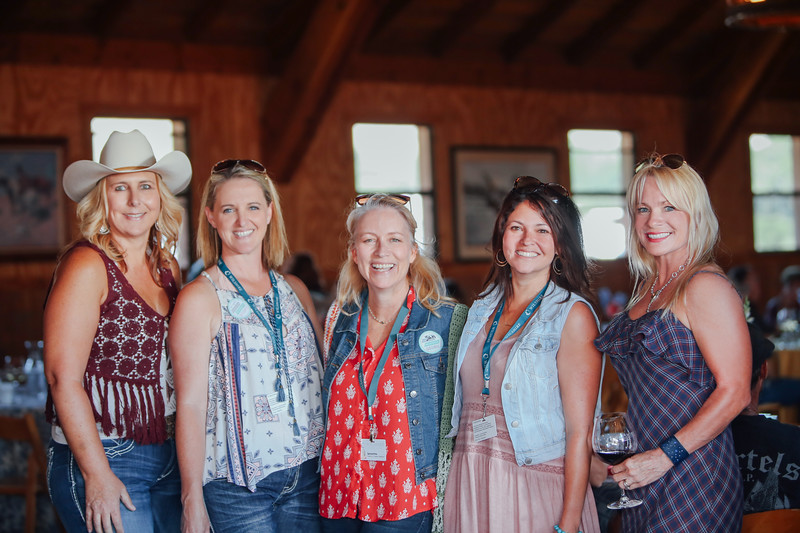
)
(423, 375)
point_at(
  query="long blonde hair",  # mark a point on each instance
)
(684, 189)
(275, 247)
(92, 213)
(423, 273)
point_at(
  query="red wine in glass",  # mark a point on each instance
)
(613, 440)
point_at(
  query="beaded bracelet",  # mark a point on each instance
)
(559, 530)
(674, 450)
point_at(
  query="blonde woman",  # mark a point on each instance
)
(246, 368)
(113, 464)
(681, 349)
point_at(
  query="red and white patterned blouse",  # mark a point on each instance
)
(371, 490)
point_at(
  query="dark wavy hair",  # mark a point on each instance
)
(564, 219)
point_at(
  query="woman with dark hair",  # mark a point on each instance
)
(681, 350)
(527, 377)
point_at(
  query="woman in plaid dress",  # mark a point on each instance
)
(681, 351)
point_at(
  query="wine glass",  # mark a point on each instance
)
(613, 441)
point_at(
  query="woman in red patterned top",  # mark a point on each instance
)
(387, 343)
(113, 464)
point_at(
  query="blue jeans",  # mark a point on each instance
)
(284, 501)
(148, 471)
(418, 523)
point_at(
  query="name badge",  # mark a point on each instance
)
(431, 342)
(275, 406)
(373, 450)
(484, 428)
(239, 308)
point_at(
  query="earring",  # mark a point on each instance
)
(557, 270)
(500, 263)
(104, 230)
(155, 226)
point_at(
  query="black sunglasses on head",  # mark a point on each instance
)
(671, 161)
(228, 164)
(525, 182)
(401, 199)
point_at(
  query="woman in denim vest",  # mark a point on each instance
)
(527, 377)
(388, 337)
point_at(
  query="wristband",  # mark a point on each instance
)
(559, 530)
(674, 450)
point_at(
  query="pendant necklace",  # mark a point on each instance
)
(655, 294)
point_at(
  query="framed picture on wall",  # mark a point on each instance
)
(482, 176)
(31, 201)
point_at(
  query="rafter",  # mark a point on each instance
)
(581, 48)
(673, 31)
(718, 115)
(532, 27)
(106, 16)
(201, 18)
(298, 101)
(460, 23)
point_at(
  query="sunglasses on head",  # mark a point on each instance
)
(228, 164)
(529, 182)
(671, 161)
(401, 199)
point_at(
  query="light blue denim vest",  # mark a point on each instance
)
(423, 375)
(530, 394)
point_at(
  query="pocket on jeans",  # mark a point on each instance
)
(117, 447)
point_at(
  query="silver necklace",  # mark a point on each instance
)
(655, 294)
(378, 320)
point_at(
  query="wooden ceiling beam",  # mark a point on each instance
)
(298, 101)
(580, 49)
(387, 14)
(532, 27)
(201, 18)
(106, 15)
(717, 116)
(461, 22)
(671, 32)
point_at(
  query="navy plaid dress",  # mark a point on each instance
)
(667, 381)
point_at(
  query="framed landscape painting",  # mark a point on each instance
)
(31, 205)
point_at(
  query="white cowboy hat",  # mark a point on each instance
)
(122, 154)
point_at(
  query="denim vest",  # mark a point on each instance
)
(530, 394)
(423, 375)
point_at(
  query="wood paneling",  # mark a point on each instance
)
(224, 112)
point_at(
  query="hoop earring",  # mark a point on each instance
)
(104, 230)
(500, 263)
(557, 270)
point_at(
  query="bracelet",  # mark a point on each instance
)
(674, 450)
(559, 530)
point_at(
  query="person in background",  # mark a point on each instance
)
(303, 266)
(112, 462)
(388, 338)
(247, 368)
(747, 283)
(527, 377)
(681, 352)
(785, 306)
(768, 451)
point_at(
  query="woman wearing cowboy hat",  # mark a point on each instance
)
(113, 463)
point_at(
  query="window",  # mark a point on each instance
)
(165, 135)
(396, 158)
(775, 183)
(600, 163)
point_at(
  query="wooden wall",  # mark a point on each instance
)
(224, 110)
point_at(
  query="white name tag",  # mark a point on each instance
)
(484, 428)
(373, 450)
(275, 406)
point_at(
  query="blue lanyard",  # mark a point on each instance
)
(488, 350)
(387, 349)
(276, 333)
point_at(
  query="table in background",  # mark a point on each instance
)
(14, 463)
